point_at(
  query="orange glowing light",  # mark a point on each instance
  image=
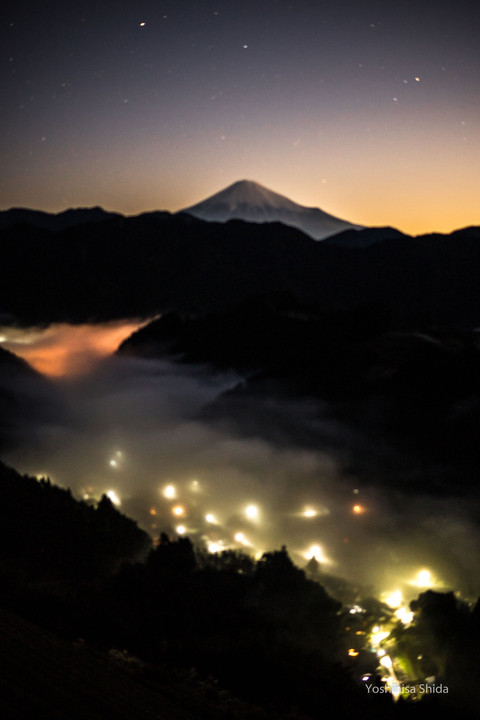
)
(178, 511)
(358, 509)
(63, 350)
(153, 511)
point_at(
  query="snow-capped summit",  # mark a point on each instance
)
(248, 200)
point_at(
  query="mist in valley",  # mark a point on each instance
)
(146, 432)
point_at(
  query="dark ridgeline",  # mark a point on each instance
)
(50, 221)
(122, 267)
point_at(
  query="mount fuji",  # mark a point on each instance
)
(250, 201)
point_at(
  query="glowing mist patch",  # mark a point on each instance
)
(63, 350)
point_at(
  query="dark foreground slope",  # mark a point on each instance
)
(190, 634)
(46, 677)
(23, 393)
(48, 539)
(226, 617)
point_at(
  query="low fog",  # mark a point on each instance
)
(137, 429)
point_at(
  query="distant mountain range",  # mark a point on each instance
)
(88, 264)
(54, 221)
(244, 200)
(250, 201)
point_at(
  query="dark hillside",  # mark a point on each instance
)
(415, 389)
(49, 539)
(23, 393)
(139, 266)
(46, 677)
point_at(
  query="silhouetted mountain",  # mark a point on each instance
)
(52, 221)
(364, 238)
(23, 393)
(144, 265)
(250, 201)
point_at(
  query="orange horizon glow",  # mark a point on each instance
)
(62, 350)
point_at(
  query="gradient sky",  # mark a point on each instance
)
(369, 110)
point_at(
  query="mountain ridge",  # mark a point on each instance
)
(249, 200)
(144, 265)
(54, 221)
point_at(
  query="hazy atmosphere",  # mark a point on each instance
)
(134, 428)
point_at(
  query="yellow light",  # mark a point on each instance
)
(396, 689)
(352, 652)
(386, 661)
(240, 538)
(181, 529)
(115, 462)
(356, 609)
(178, 511)
(210, 518)
(215, 547)
(309, 512)
(251, 512)
(404, 615)
(170, 492)
(378, 635)
(393, 599)
(152, 511)
(358, 509)
(114, 497)
(316, 551)
(424, 578)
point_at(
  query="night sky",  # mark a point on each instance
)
(369, 110)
